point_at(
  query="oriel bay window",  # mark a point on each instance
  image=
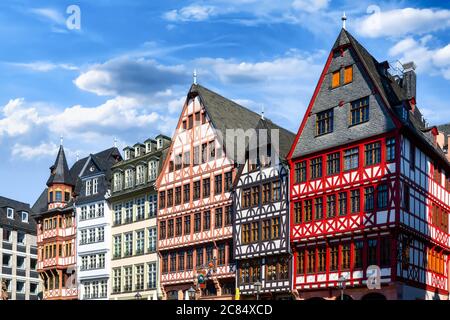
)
(316, 168)
(324, 122)
(372, 153)
(359, 111)
(333, 163)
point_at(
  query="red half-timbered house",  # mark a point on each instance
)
(195, 202)
(56, 233)
(369, 186)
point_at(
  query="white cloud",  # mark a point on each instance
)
(310, 5)
(43, 66)
(49, 14)
(191, 13)
(434, 61)
(400, 22)
(17, 119)
(30, 152)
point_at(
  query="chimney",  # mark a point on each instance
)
(409, 80)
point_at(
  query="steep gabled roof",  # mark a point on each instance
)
(286, 137)
(59, 171)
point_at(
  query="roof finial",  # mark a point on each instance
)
(115, 143)
(262, 113)
(195, 76)
(61, 139)
(344, 18)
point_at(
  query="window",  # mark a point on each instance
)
(186, 159)
(369, 198)
(151, 239)
(206, 187)
(228, 181)
(335, 79)
(324, 122)
(359, 111)
(206, 220)
(311, 263)
(301, 262)
(128, 244)
(348, 74)
(170, 229)
(246, 197)
(151, 275)
(316, 168)
(318, 208)
(128, 278)
(331, 206)
(390, 149)
(196, 155)
(275, 234)
(372, 153)
(129, 212)
(139, 277)
(179, 227)
(307, 207)
(140, 238)
(197, 222)
(117, 246)
(88, 188)
(196, 195)
(162, 230)
(255, 232)
(265, 230)
(359, 249)
(212, 150)
(20, 262)
(228, 215)
(173, 262)
(6, 260)
(58, 196)
(221, 254)
(204, 152)
(186, 193)
(300, 172)
(298, 212)
(372, 252)
(266, 193)
(117, 213)
(385, 252)
(152, 170)
(406, 197)
(255, 196)
(95, 186)
(165, 263)
(345, 256)
(199, 257)
(129, 178)
(178, 195)
(322, 258)
(333, 163)
(334, 253)
(66, 196)
(190, 121)
(342, 203)
(276, 191)
(187, 225)
(218, 218)
(412, 156)
(246, 233)
(189, 259)
(20, 287)
(169, 198)
(117, 181)
(354, 201)
(140, 209)
(351, 159)
(218, 184)
(24, 216)
(178, 161)
(382, 196)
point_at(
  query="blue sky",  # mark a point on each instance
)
(125, 73)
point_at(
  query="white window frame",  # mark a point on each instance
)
(10, 213)
(95, 186)
(152, 170)
(26, 216)
(88, 187)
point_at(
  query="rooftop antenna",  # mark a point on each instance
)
(344, 19)
(61, 140)
(195, 76)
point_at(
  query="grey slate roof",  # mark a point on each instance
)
(16, 223)
(59, 171)
(104, 159)
(390, 90)
(226, 114)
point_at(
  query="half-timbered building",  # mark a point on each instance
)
(56, 233)
(261, 224)
(195, 202)
(369, 185)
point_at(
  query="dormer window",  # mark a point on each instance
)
(127, 154)
(159, 143)
(95, 186)
(148, 147)
(88, 187)
(137, 151)
(24, 216)
(10, 213)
